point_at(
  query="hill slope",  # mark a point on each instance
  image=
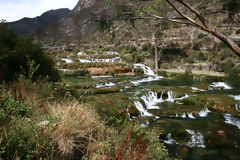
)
(28, 26)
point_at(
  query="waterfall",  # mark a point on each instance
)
(151, 99)
(230, 119)
(235, 97)
(148, 79)
(110, 84)
(170, 140)
(190, 115)
(147, 70)
(171, 96)
(204, 112)
(141, 109)
(197, 139)
(237, 107)
(219, 85)
(67, 60)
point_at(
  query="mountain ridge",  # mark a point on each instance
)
(27, 26)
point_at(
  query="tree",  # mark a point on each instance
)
(156, 34)
(148, 9)
(17, 52)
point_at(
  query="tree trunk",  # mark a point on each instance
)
(156, 55)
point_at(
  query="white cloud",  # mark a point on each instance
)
(12, 10)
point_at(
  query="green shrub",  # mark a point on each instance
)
(228, 66)
(12, 107)
(233, 77)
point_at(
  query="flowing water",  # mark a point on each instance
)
(192, 129)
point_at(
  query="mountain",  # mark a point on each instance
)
(79, 23)
(28, 26)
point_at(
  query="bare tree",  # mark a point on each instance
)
(200, 22)
(156, 28)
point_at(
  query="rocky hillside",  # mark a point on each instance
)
(180, 43)
(28, 26)
(78, 24)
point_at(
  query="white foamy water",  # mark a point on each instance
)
(141, 109)
(237, 107)
(171, 96)
(170, 140)
(221, 85)
(67, 60)
(183, 115)
(190, 115)
(111, 60)
(147, 70)
(230, 119)
(204, 112)
(235, 97)
(102, 76)
(109, 84)
(80, 53)
(148, 79)
(197, 89)
(196, 140)
(151, 99)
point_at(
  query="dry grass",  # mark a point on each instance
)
(79, 129)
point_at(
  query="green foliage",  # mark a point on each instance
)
(233, 77)
(228, 66)
(19, 54)
(33, 67)
(62, 90)
(233, 6)
(9, 106)
(24, 140)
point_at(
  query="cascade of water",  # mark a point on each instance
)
(141, 109)
(237, 106)
(230, 119)
(148, 79)
(235, 97)
(197, 139)
(147, 70)
(67, 60)
(151, 99)
(171, 96)
(183, 115)
(219, 85)
(110, 84)
(197, 89)
(170, 140)
(204, 112)
(190, 115)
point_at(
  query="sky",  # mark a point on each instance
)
(12, 10)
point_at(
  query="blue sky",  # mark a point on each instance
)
(12, 10)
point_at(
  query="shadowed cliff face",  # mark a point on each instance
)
(27, 26)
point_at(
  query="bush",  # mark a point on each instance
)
(13, 57)
(233, 77)
(228, 66)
